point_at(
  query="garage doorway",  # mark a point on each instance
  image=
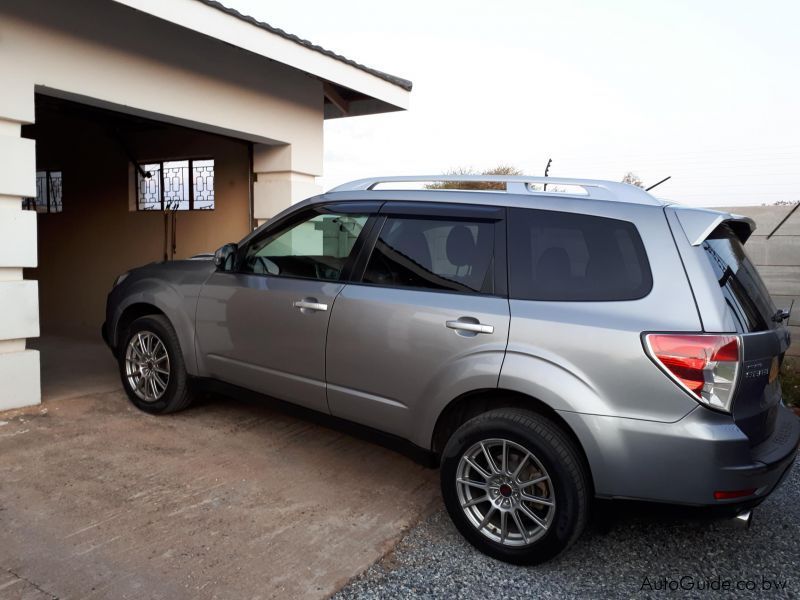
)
(116, 191)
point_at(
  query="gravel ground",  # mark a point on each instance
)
(628, 551)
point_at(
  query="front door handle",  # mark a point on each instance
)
(310, 304)
(471, 326)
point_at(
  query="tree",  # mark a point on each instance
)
(474, 185)
(633, 179)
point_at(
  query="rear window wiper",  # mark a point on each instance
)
(781, 314)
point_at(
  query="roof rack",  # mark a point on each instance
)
(518, 184)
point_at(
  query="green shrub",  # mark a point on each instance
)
(790, 380)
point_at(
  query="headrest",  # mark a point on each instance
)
(408, 239)
(553, 265)
(460, 246)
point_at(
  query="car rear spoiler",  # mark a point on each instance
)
(698, 223)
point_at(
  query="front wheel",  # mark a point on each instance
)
(515, 486)
(152, 368)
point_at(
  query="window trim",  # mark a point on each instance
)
(139, 166)
(430, 211)
(369, 209)
(647, 273)
(443, 210)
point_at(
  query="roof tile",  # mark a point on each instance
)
(398, 81)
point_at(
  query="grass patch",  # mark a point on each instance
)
(790, 381)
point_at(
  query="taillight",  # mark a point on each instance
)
(706, 366)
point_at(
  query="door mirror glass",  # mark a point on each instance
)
(224, 256)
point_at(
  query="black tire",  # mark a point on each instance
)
(557, 454)
(177, 394)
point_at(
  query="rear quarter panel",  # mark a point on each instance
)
(587, 357)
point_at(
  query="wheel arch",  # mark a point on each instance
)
(142, 307)
(476, 402)
(129, 315)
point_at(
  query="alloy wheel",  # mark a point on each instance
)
(505, 492)
(147, 366)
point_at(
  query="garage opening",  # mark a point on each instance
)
(116, 191)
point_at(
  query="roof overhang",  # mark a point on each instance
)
(351, 89)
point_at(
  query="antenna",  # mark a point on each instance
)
(546, 171)
(659, 183)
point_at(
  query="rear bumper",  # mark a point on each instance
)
(772, 459)
(687, 461)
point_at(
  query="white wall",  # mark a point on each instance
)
(19, 308)
(137, 64)
(112, 55)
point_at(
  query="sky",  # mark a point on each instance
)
(704, 91)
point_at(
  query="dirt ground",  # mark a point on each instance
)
(229, 499)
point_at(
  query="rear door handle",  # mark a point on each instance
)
(310, 304)
(468, 326)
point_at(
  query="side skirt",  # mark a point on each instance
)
(422, 456)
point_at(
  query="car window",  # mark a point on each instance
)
(435, 254)
(316, 248)
(744, 291)
(573, 257)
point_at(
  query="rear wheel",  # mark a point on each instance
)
(151, 366)
(515, 486)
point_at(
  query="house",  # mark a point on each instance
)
(134, 131)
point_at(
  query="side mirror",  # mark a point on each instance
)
(223, 257)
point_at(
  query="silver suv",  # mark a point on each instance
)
(548, 342)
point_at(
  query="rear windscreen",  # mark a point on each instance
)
(742, 287)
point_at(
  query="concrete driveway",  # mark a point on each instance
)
(229, 499)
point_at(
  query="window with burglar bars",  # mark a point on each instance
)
(175, 185)
(48, 193)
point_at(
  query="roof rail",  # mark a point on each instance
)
(519, 184)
